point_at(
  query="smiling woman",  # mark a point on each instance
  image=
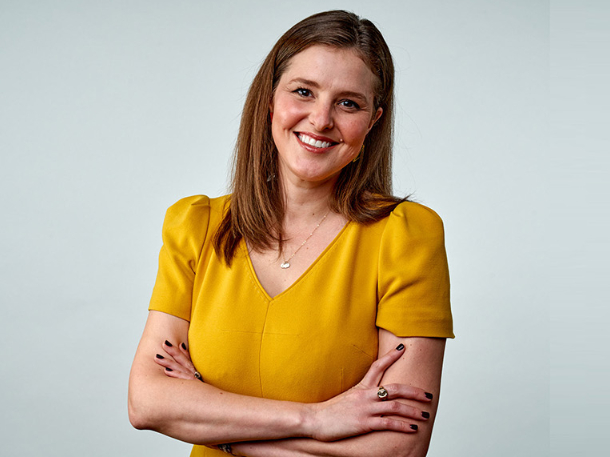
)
(325, 108)
(311, 302)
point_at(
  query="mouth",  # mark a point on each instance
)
(318, 143)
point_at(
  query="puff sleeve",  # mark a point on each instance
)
(184, 232)
(413, 277)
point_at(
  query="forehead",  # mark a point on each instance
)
(332, 68)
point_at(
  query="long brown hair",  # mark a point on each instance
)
(363, 191)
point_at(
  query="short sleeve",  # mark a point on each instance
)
(184, 232)
(413, 275)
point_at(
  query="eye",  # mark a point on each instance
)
(302, 92)
(349, 104)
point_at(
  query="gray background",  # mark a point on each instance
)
(111, 111)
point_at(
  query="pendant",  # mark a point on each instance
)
(285, 265)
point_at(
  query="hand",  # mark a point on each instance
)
(177, 362)
(355, 412)
(360, 410)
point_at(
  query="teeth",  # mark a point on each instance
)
(316, 143)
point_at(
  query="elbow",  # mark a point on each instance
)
(137, 416)
(137, 420)
(143, 405)
(141, 412)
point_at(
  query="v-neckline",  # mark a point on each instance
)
(302, 276)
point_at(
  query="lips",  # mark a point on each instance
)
(315, 140)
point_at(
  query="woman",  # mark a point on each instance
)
(285, 292)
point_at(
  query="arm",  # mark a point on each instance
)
(199, 413)
(420, 365)
(413, 290)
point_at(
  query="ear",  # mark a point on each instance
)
(375, 117)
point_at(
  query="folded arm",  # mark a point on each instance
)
(199, 413)
(194, 411)
(420, 365)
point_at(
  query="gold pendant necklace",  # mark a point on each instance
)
(286, 263)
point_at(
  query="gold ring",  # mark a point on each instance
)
(382, 393)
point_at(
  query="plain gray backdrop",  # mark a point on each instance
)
(112, 110)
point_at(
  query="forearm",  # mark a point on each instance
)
(421, 365)
(201, 414)
(375, 444)
(197, 412)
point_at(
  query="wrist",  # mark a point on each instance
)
(309, 419)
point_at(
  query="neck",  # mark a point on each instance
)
(304, 203)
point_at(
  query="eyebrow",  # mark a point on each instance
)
(315, 85)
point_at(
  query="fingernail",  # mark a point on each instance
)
(167, 343)
(400, 347)
(429, 396)
(413, 427)
(159, 356)
(183, 346)
(425, 414)
(168, 369)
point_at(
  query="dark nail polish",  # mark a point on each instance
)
(168, 344)
(183, 346)
(400, 347)
(168, 369)
(413, 427)
(159, 356)
(425, 414)
(429, 396)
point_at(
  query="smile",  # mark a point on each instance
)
(304, 138)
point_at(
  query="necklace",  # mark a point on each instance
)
(286, 263)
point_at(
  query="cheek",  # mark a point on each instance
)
(355, 131)
(286, 114)
(294, 117)
(285, 118)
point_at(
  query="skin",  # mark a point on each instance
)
(325, 94)
(199, 413)
(413, 362)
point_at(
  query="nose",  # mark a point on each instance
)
(321, 116)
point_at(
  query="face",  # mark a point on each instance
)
(322, 109)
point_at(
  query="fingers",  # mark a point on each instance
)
(177, 362)
(362, 410)
(406, 392)
(390, 424)
(172, 368)
(395, 408)
(180, 354)
(378, 368)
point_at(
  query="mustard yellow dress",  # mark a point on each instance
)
(319, 337)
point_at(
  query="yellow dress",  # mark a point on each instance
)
(317, 338)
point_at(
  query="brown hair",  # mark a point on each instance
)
(363, 189)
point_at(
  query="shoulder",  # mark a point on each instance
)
(187, 221)
(415, 220)
(413, 279)
(193, 210)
